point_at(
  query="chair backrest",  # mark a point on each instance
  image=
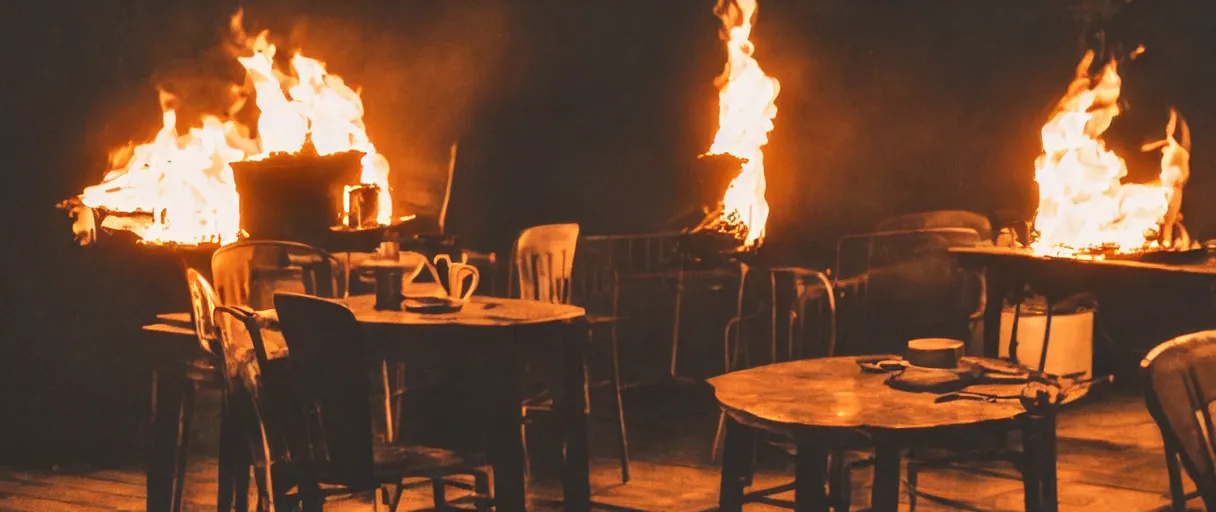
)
(803, 314)
(329, 377)
(248, 273)
(940, 219)
(544, 260)
(1179, 378)
(202, 309)
(900, 285)
(223, 332)
(602, 259)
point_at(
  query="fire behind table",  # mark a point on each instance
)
(1012, 271)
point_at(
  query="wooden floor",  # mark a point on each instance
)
(1110, 460)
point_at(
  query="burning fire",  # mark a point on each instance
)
(1085, 209)
(178, 188)
(745, 116)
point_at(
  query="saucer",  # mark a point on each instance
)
(430, 305)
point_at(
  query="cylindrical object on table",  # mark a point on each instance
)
(364, 203)
(935, 352)
(388, 288)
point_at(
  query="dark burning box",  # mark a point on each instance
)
(295, 196)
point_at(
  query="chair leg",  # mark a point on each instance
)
(913, 480)
(523, 441)
(840, 488)
(379, 499)
(388, 402)
(226, 472)
(622, 437)
(1177, 496)
(439, 494)
(398, 396)
(719, 437)
(183, 443)
(240, 484)
(396, 501)
(675, 328)
(481, 487)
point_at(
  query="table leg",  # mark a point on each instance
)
(505, 448)
(737, 460)
(1039, 463)
(572, 406)
(166, 433)
(1047, 463)
(810, 472)
(997, 288)
(884, 496)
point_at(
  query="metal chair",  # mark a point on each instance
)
(327, 425)
(248, 273)
(607, 262)
(907, 279)
(543, 260)
(900, 283)
(219, 330)
(803, 339)
(1179, 378)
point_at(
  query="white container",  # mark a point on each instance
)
(1071, 348)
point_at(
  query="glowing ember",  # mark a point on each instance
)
(1085, 210)
(745, 116)
(181, 185)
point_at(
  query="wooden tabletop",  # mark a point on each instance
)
(478, 312)
(835, 393)
(1023, 256)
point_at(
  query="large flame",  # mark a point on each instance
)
(745, 116)
(1085, 209)
(182, 184)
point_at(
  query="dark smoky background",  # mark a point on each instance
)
(592, 112)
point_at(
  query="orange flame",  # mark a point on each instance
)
(745, 116)
(1085, 209)
(184, 182)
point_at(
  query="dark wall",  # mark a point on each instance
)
(565, 111)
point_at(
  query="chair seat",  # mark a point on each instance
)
(602, 319)
(394, 462)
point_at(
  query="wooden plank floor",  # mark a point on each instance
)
(1110, 460)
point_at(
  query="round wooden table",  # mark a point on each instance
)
(495, 328)
(831, 403)
(498, 329)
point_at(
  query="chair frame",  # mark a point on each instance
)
(562, 292)
(1175, 461)
(311, 495)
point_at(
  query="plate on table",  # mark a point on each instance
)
(430, 305)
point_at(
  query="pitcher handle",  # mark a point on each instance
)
(458, 274)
